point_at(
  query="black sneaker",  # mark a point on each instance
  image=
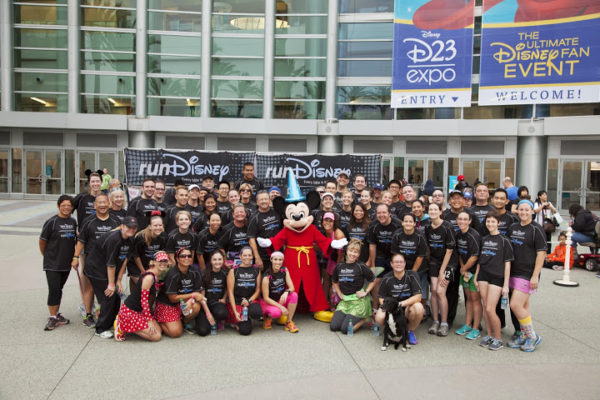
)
(89, 321)
(51, 324)
(62, 320)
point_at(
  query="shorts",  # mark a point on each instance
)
(520, 284)
(469, 285)
(434, 268)
(385, 263)
(490, 279)
(165, 313)
(131, 321)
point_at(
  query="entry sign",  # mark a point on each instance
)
(433, 53)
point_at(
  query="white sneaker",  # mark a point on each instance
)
(105, 334)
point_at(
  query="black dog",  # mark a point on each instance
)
(395, 329)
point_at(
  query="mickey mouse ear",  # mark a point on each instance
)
(294, 193)
(88, 172)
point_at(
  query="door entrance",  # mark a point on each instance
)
(43, 172)
(95, 160)
(580, 184)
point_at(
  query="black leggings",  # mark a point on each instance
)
(254, 312)
(109, 306)
(340, 321)
(219, 312)
(56, 282)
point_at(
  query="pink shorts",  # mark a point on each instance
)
(520, 284)
(275, 312)
(164, 313)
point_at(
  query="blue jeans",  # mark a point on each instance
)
(579, 237)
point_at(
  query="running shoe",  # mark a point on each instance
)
(486, 341)
(496, 344)
(62, 320)
(51, 324)
(81, 309)
(412, 339)
(267, 323)
(89, 321)
(516, 341)
(105, 334)
(531, 344)
(463, 330)
(291, 327)
(443, 331)
(473, 334)
(220, 326)
(189, 328)
(119, 334)
(433, 329)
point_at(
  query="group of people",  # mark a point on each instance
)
(194, 264)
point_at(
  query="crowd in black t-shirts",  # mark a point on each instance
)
(194, 264)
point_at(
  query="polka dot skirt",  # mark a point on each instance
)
(131, 321)
(164, 313)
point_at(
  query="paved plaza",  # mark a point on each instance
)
(71, 363)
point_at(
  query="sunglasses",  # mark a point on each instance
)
(185, 256)
(244, 190)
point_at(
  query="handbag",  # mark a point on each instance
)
(549, 226)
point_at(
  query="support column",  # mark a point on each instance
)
(6, 54)
(531, 162)
(332, 37)
(139, 139)
(205, 59)
(141, 66)
(329, 144)
(74, 55)
(269, 59)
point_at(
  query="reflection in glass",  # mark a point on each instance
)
(108, 18)
(491, 173)
(236, 109)
(41, 102)
(41, 59)
(17, 157)
(572, 172)
(416, 172)
(52, 172)
(33, 168)
(40, 15)
(107, 105)
(470, 170)
(4, 170)
(435, 172)
(299, 109)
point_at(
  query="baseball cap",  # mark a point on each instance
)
(378, 186)
(467, 195)
(193, 186)
(343, 174)
(130, 222)
(275, 188)
(329, 215)
(328, 194)
(453, 192)
(207, 177)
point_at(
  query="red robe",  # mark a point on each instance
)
(302, 263)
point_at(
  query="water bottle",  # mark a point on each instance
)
(184, 307)
(245, 313)
(504, 302)
(376, 329)
(213, 329)
(350, 328)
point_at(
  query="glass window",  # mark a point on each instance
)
(301, 47)
(175, 5)
(237, 66)
(363, 111)
(40, 14)
(175, 44)
(566, 110)
(237, 89)
(108, 41)
(366, 6)
(509, 168)
(176, 87)
(16, 164)
(107, 105)
(365, 68)
(109, 3)
(299, 109)
(109, 84)
(497, 112)
(300, 24)
(299, 90)
(379, 30)
(236, 109)
(41, 82)
(168, 64)
(41, 38)
(552, 180)
(301, 67)
(235, 46)
(69, 171)
(41, 102)
(108, 61)
(172, 21)
(365, 49)
(41, 59)
(189, 107)
(108, 17)
(415, 113)
(364, 94)
(302, 7)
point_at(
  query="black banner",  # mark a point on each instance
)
(189, 166)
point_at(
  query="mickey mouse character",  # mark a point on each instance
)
(298, 236)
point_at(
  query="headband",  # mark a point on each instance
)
(526, 202)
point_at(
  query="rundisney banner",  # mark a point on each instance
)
(192, 165)
(315, 169)
(433, 53)
(540, 52)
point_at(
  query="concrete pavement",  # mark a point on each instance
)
(70, 362)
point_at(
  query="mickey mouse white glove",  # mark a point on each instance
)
(262, 242)
(339, 243)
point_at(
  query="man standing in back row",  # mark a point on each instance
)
(250, 179)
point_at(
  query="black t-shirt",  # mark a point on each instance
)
(110, 251)
(402, 211)
(162, 207)
(411, 246)
(480, 212)
(216, 286)
(142, 211)
(506, 220)
(526, 241)
(245, 283)
(60, 235)
(395, 207)
(233, 240)
(255, 183)
(169, 218)
(468, 245)
(178, 240)
(208, 243)
(400, 289)
(223, 208)
(84, 204)
(439, 240)
(195, 211)
(381, 236)
(146, 252)
(450, 216)
(118, 215)
(352, 277)
(93, 228)
(360, 233)
(200, 223)
(344, 218)
(495, 251)
(264, 225)
(277, 283)
(177, 282)
(134, 300)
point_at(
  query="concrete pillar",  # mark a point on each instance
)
(205, 59)
(6, 54)
(140, 139)
(73, 35)
(332, 48)
(531, 162)
(269, 59)
(330, 144)
(141, 65)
